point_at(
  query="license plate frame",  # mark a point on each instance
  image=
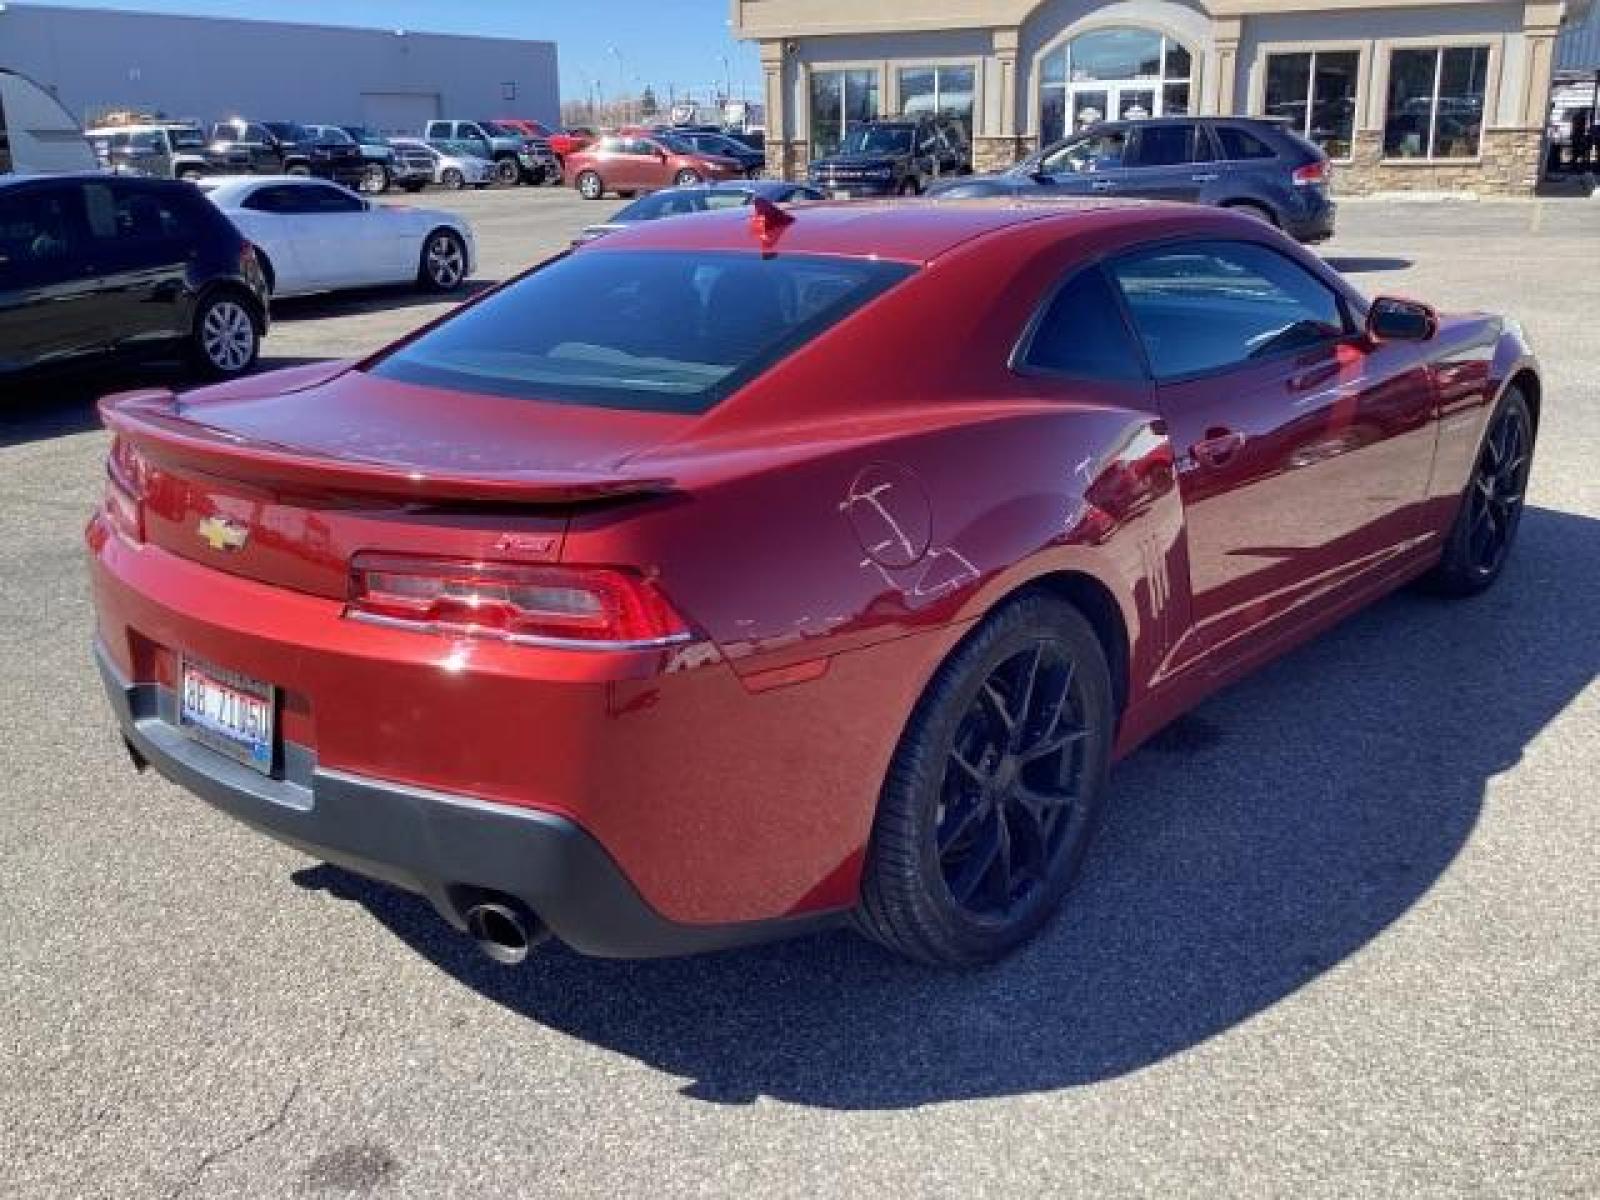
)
(229, 712)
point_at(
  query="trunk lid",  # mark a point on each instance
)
(284, 479)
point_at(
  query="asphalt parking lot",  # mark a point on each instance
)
(1340, 936)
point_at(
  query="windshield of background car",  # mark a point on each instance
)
(881, 139)
(678, 202)
(676, 144)
(188, 138)
(284, 131)
(331, 135)
(652, 331)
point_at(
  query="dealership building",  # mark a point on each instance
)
(392, 80)
(1405, 95)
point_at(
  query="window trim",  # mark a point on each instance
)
(1495, 44)
(1097, 24)
(804, 133)
(1349, 311)
(1364, 73)
(1017, 362)
(896, 102)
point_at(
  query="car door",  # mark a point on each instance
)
(1303, 451)
(270, 217)
(1087, 165)
(1166, 161)
(50, 307)
(139, 247)
(333, 224)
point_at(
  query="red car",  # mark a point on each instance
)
(755, 572)
(570, 141)
(630, 163)
(527, 128)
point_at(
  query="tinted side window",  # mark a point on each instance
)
(1082, 334)
(1209, 306)
(1240, 145)
(1164, 146)
(272, 200)
(38, 229)
(325, 198)
(130, 216)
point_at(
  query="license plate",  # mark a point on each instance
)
(229, 712)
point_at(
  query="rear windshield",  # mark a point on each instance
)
(646, 330)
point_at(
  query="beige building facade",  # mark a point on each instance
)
(1405, 95)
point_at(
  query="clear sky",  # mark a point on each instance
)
(673, 45)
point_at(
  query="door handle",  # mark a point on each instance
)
(1209, 178)
(1218, 447)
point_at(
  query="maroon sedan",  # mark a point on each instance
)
(772, 569)
(630, 163)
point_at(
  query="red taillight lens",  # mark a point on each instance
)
(1314, 174)
(592, 606)
(123, 504)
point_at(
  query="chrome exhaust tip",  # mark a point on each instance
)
(503, 932)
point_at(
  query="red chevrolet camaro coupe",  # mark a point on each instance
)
(737, 575)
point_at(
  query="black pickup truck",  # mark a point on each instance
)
(282, 148)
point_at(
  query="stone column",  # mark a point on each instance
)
(1224, 72)
(775, 98)
(999, 144)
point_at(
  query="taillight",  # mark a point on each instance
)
(123, 503)
(1314, 174)
(590, 607)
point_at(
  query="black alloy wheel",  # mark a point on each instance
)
(995, 790)
(1491, 510)
(453, 179)
(375, 179)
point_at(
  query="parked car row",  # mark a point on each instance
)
(353, 155)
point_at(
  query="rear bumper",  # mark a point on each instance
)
(452, 849)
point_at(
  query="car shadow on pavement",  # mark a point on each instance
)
(55, 406)
(1252, 847)
(291, 310)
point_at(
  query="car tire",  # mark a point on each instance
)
(686, 178)
(590, 186)
(909, 188)
(443, 266)
(506, 171)
(375, 179)
(1485, 528)
(298, 170)
(453, 179)
(1005, 758)
(225, 340)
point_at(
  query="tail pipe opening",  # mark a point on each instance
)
(504, 930)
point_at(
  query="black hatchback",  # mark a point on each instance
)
(93, 266)
(1256, 165)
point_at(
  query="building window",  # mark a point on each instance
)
(1112, 74)
(839, 101)
(1436, 102)
(1316, 94)
(946, 91)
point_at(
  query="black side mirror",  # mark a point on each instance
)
(1391, 319)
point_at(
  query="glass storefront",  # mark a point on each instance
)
(1112, 74)
(947, 91)
(1435, 107)
(1316, 93)
(839, 100)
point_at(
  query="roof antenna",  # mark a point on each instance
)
(768, 221)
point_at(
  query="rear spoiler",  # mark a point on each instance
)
(151, 421)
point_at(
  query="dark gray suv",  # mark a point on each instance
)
(1256, 165)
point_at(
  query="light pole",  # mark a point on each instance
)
(622, 84)
(727, 80)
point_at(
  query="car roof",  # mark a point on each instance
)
(896, 230)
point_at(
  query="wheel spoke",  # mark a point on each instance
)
(969, 769)
(1054, 743)
(1019, 728)
(997, 706)
(981, 860)
(951, 832)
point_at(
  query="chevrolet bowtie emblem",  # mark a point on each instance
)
(223, 535)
